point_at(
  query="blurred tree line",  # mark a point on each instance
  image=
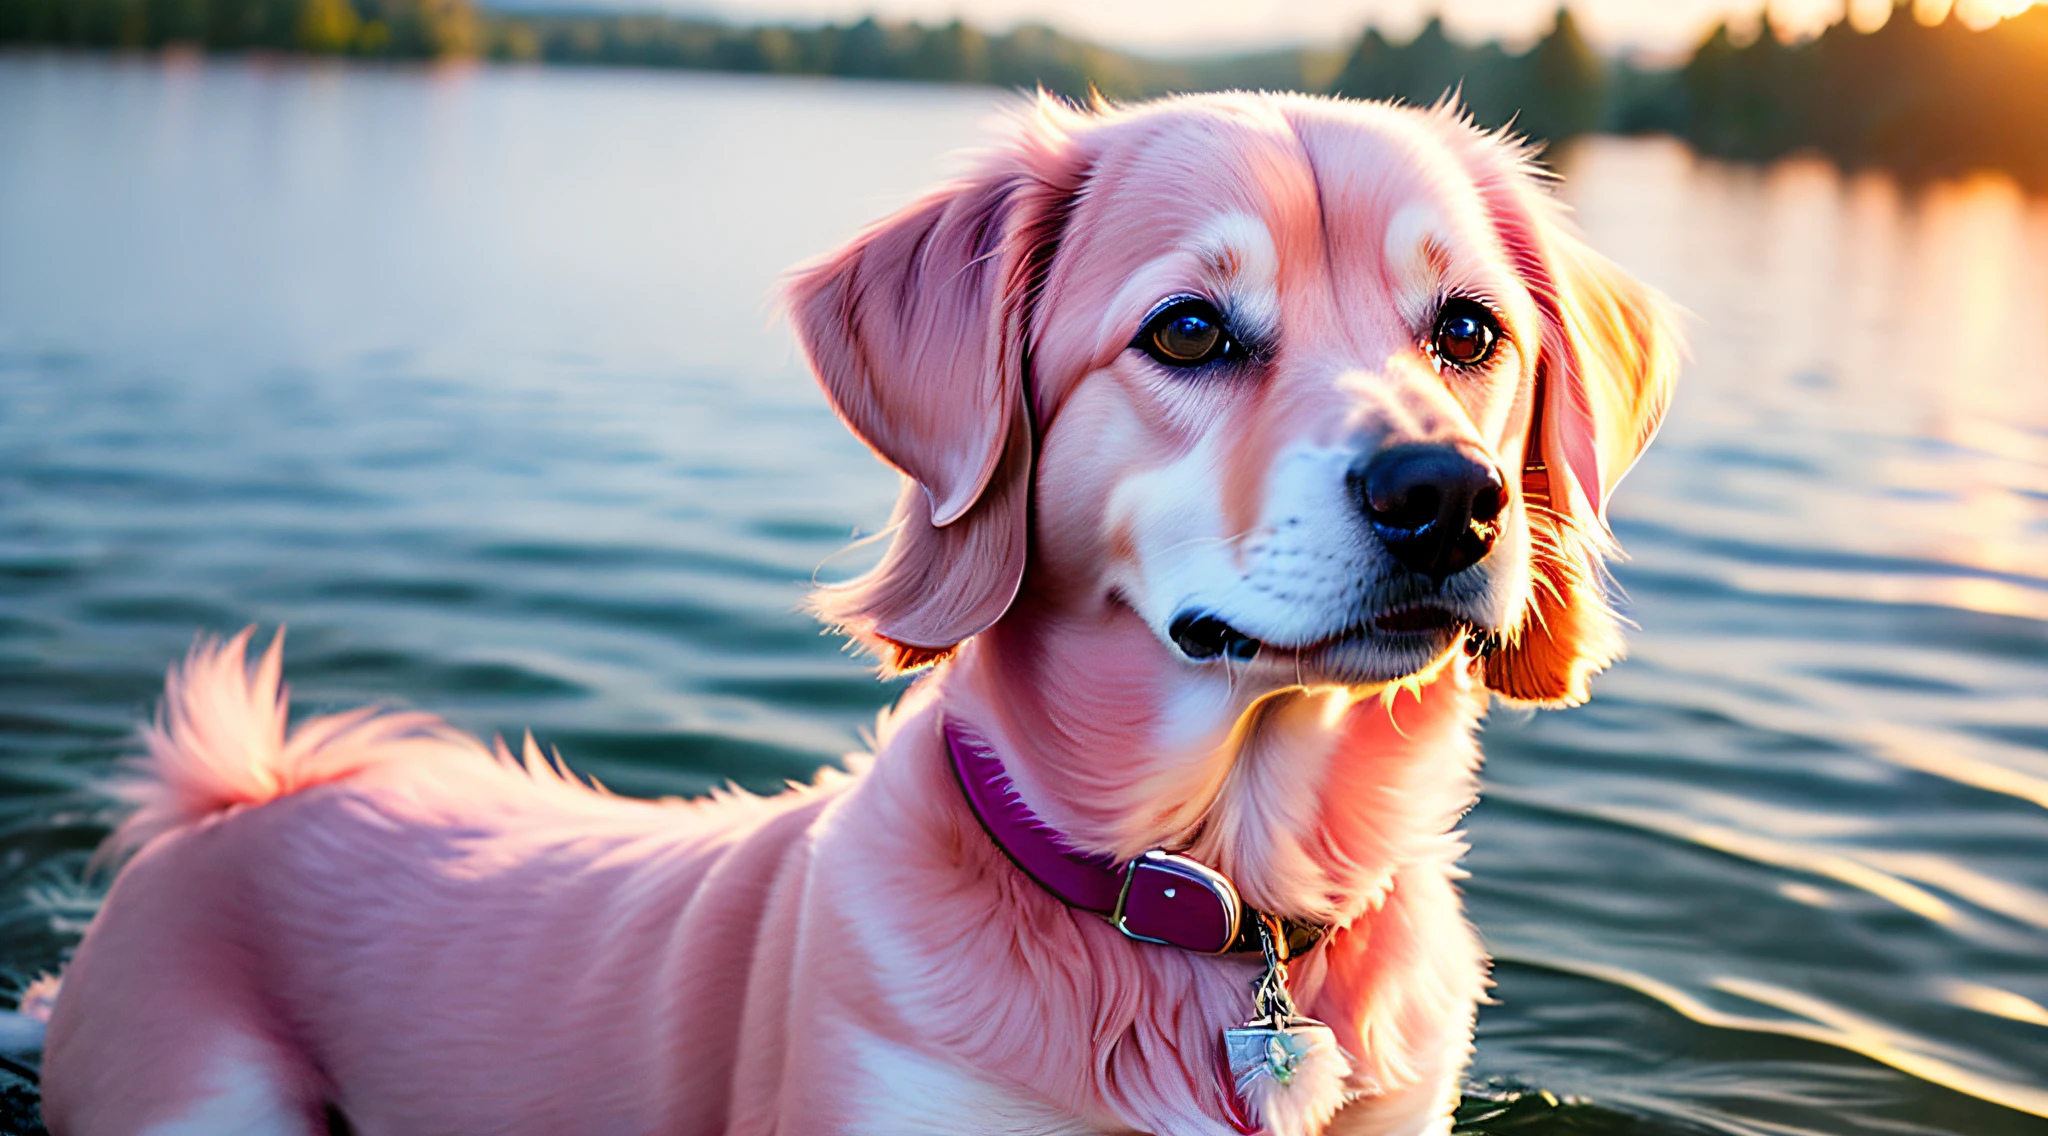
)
(1925, 99)
(1929, 98)
(415, 29)
(1030, 55)
(956, 52)
(1559, 88)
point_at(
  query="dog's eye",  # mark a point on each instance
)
(1187, 332)
(1465, 333)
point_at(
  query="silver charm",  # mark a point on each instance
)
(1277, 1039)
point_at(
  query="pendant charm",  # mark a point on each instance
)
(1274, 1048)
(1284, 1072)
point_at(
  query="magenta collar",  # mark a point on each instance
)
(1160, 897)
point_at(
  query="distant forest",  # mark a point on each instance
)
(1922, 99)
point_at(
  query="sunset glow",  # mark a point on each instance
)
(1229, 25)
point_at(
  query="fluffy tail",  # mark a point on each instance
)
(219, 742)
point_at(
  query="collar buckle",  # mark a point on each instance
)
(1171, 899)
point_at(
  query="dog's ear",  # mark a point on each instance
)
(917, 331)
(1606, 365)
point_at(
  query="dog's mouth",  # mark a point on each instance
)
(1386, 645)
(1426, 619)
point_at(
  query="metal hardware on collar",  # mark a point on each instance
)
(1150, 907)
(1275, 1044)
(1296, 938)
(1160, 897)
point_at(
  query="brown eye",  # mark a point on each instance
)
(1187, 332)
(1465, 333)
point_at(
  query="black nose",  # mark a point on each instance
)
(1436, 508)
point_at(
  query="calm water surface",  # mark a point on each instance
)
(470, 379)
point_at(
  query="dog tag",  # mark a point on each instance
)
(1273, 1047)
(1282, 1070)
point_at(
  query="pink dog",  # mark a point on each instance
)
(1250, 442)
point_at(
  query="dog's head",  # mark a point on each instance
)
(1316, 390)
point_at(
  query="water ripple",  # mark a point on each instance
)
(1818, 1021)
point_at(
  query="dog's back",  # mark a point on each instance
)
(389, 878)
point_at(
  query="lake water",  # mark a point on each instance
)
(469, 378)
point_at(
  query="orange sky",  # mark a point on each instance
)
(1228, 25)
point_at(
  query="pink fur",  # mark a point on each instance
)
(915, 329)
(378, 915)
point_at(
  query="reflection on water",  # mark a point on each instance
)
(1871, 347)
(468, 377)
(1827, 759)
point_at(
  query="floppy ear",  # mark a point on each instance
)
(1605, 369)
(917, 332)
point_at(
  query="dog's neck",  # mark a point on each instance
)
(1309, 798)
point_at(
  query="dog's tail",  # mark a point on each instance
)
(219, 743)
